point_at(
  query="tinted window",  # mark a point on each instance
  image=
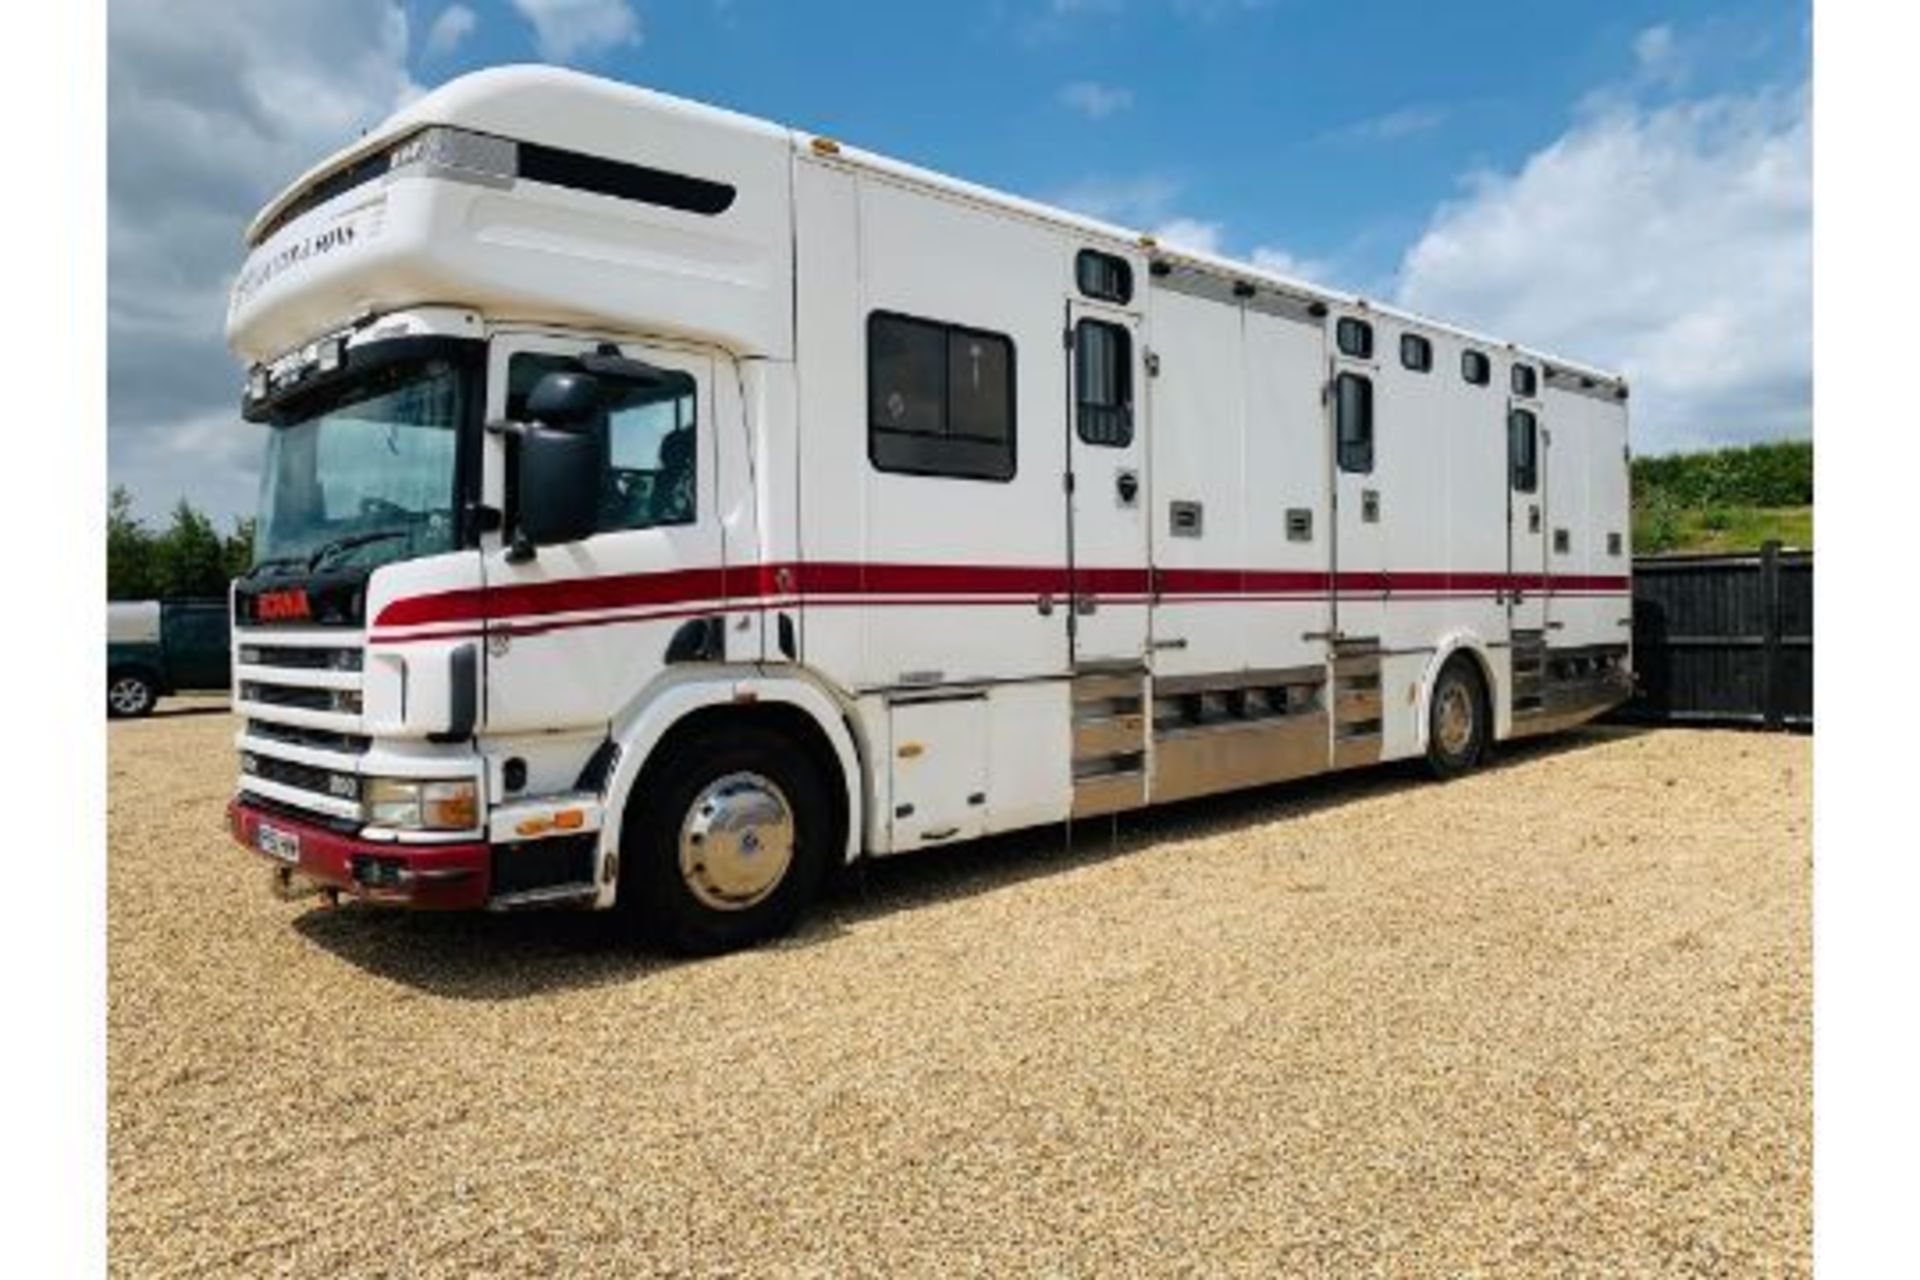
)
(1102, 275)
(1475, 367)
(1103, 383)
(651, 465)
(939, 399)
(1526, 382)
(1355, 337)
(1353, 422)
(1416, 352)
(1523, 451)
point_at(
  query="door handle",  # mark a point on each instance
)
(1085, 605)
(1176, 642)
(1045, 606)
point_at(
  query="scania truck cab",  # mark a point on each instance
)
(661, 507)
(507, 354)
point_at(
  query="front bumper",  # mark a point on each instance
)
(441, 877)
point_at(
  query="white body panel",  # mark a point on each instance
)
(1213, 602)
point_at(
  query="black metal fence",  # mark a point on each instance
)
(1724, 639)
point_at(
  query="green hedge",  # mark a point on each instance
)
(1761, 475)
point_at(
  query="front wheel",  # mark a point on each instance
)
(1458, 723)
(130, 694)
(725, 842)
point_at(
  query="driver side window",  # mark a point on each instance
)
(651, 469)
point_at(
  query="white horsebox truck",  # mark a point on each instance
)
(660, 507)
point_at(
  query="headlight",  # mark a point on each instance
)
(420, 804)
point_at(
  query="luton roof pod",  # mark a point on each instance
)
(541, 196)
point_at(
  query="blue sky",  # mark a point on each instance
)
(1329, 129)
(1627, 183)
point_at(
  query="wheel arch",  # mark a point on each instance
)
(793, 704)
(1480, 654)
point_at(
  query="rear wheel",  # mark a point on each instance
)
(725, 842)
(130, 694)
(1458, 723)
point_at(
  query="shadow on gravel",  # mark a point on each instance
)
(165, 712)
(476, 956)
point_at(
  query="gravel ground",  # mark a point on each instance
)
(1555, 1018)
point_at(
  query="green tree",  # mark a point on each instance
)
(190, 557)
(238, 548)
(130, 550)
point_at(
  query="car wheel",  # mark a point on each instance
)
(1458, 724)
(129, 695)
(725, 842)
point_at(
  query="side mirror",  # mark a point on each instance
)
(566, 401)
(563, 460)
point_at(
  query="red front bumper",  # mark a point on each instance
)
(442, 877)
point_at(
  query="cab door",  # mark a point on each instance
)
(573, 632)
(1106, 490)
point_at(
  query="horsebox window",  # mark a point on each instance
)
(1476, 368)
(1103, 383)
(1523, 451)
(1355, 338)
(939, 399)
(1526, 381)
(1416, 353)
(1104, 276)
(1353, 422)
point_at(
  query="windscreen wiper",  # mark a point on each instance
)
(327, 550)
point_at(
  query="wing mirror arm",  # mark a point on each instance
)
(520, 549)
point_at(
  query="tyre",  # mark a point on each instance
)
(726, 840)
(130, 695)
(1459, 723)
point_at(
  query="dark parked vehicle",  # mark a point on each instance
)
(157, 647)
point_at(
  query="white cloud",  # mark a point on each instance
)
(1190, 233)
(1152, 201)
(1657, 55)
(1672, 243)
(1392, 126)
(1129, 201)
(455, 23)
(1280, 262)
(211, 108)
(566, 30)
(1095, 101)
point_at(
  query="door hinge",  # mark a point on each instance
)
(1066, 482)
(1152, 360)
(1066, 339)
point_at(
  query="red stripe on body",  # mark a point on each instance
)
(642, 596)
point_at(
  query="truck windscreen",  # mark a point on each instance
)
(364, 474)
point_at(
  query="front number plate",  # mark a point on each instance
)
(275, 843)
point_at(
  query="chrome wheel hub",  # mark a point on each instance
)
(1453, 719)
(127, 695)
(736, 841)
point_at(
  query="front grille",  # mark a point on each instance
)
(323, 739)
(307, 777)
(345, 701)
(302, 659)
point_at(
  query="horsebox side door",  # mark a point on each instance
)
(1106, 486)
